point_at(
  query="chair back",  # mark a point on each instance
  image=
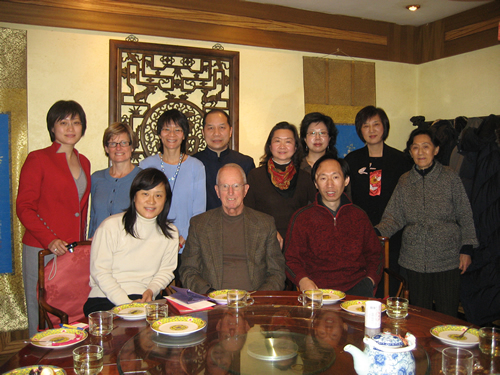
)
(403, 289)
(61, 299)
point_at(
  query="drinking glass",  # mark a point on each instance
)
(397, 308)
(88, 359)
(100, 323)
(457, 361)
(237, 298)
(156, 311)
(312, 299)
(489, 341)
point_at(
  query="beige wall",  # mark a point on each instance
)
(464, 85)
(74, 64)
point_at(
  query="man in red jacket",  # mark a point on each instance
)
(331, 244)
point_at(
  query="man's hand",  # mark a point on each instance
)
(147, 296)
(182, 241)
(307, 284)
(465, 262)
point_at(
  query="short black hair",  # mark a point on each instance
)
(367, 113)
(315, 117)
(178, 118)
(60, 110)
(421, 131)
(297, 156)
(216, 111)
(147, 179)
(343, 165)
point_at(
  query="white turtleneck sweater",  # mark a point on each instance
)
(121, 264)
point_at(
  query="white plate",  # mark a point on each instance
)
(219, 296)
(131, 311)
(331, 296)
(272, 349)
(448, 335)
(178, 325)
(355, 306)
(58, 338)
(179, 341)
(26, 370)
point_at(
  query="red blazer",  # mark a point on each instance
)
(47, 200)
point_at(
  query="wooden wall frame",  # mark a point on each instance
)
(146, 79)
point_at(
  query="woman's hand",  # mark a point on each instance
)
(147, 296)
(465, 261)
(280, 240)
(307, 284)
(182, 241)
(58, 247)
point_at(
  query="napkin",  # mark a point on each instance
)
(187, 296)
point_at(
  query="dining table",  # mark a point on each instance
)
(236, 341)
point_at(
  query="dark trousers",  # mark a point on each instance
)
(442, 288)
(363, 289)
(103, 304)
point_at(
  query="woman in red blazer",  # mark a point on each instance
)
(53, 196)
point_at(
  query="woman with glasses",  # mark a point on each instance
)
(279, 187)
(111, 186)
(185, 174)
(318, 135)
(53, 196)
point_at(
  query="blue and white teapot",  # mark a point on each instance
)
(385, 353)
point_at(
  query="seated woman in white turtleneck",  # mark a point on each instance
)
(279, 187)
(134, 254)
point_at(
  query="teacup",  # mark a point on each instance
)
(312, 299)
(237, 298)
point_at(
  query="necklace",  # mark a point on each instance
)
(171, 179)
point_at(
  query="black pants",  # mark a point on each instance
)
(104, 304)
(442, 288)
(363, 289)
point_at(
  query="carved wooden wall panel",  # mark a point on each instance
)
(147, 79)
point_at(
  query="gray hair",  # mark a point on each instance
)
(232, 165)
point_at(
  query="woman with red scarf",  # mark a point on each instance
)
(279, 187)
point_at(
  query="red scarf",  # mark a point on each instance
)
(281, 179)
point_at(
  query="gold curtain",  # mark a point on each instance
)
(338, 88)
(13, 101)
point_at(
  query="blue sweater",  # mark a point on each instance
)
(109, 196)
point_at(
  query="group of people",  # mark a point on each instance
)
(214, 221)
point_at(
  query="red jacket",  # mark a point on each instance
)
(336, 252)
(47, 200)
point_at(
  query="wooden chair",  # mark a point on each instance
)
(403, 286)
(61, 298)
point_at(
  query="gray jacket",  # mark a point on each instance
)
(437, 219)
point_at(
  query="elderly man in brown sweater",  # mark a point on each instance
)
(232, 246)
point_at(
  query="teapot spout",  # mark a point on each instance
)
(361, 360)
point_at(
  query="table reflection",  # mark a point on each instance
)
(255, 340)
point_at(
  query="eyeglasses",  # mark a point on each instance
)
(122, 143)
(236, 187)
(175, 130)
(319, 134)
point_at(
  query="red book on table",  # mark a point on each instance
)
(181, 308)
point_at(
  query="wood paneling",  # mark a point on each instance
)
(263, 25)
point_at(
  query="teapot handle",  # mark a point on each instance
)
(412, 343)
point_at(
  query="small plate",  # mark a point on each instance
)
(331, 296)
(131, 311)
(178, 325)
(219, 296)
(272, 349)
(178, 341)
(26, 370)
(354, 306)
(58, 338)
(448, 333)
